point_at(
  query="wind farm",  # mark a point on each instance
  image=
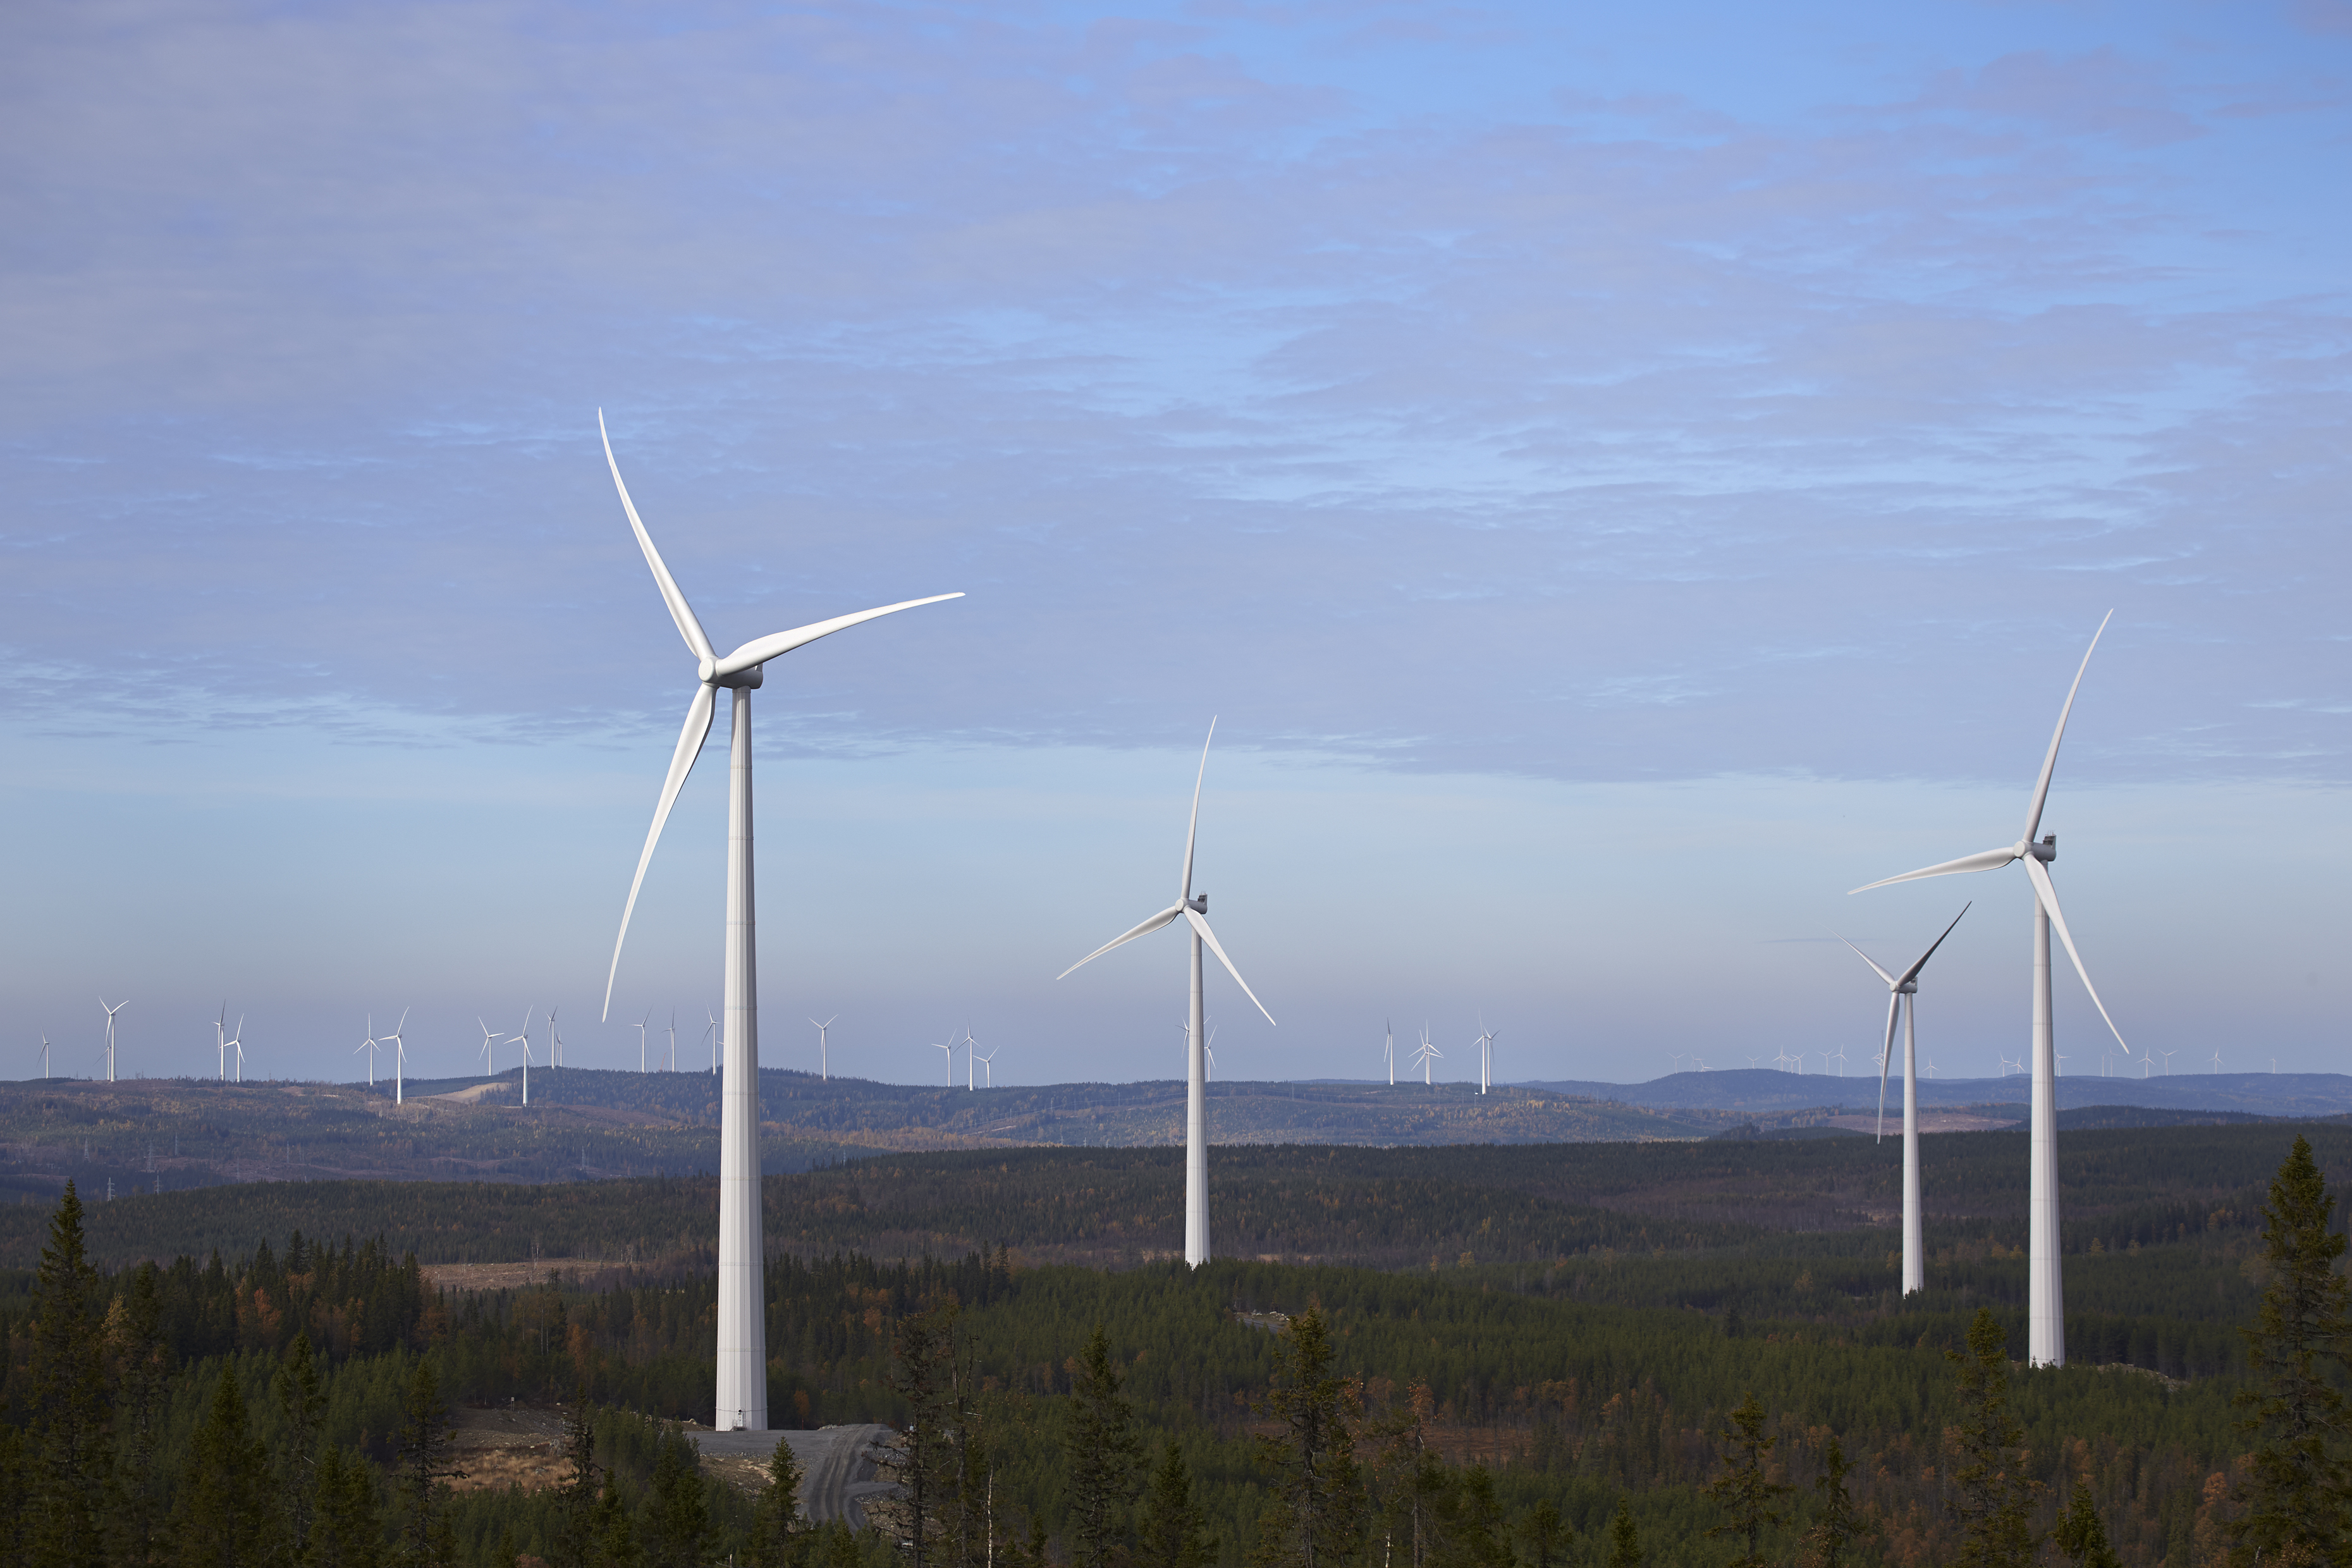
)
(1604, 491)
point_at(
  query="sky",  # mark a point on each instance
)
(1619, 478)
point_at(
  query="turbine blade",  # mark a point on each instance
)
(1146, 929)
(759, 650)
(680, 610)
(1193, 834)
(681, 763)
(2050, 763)
(1886, 1057)
(1201, 927)
(1867, 959)
(1913, 972)
(1990, 860)
(2047, 893)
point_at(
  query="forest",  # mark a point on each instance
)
(1563, 1330)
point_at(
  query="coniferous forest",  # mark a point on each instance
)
(1643, 1374)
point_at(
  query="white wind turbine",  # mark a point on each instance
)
(1388, 1051)
(1485, 1055)
(490, 1068)
(2045, 1300)
(554, 1043)
(823, 1057)
(711, 1037)
(524, 1038)
(1194, 911)
(949, 1081)
(111, 1012)
(673, 1041)
(44, 1055)
(399, 1060)
(988, 1069)
(742, 1371)
(1423, 1055)
(220, 1040)
(236, 1046)
(1209, 1050)
(1901, 990)
(369, 1046)
(641, 1040)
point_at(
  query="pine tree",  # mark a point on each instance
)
(1544, 1534)
(2082, 1536)
(228, 1514)
(134, 1336)
(1172, 1532)
(780, 1536)
(2298, 1482)
(1316, 1517)
(923, 1459)
(677, 1514)
(1995, 1498)
(1838, 1526)
(426, 1540)
(1745, 1492)
(575, 1538)
(1624, 1539)
(301, 1406)
(1470, 1523)
(613, 1534)
(1101, 1454)
(69, 1446)
(346, 1519)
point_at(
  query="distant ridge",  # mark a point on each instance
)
(1755, 1091)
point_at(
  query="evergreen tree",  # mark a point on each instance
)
(1470, 1523)
(426, 1540)
(678, 1511)
(1172, 1532)
(1544, 1534)
(923, 1460)
(575, 1539)
(1745, 1492)
(612, 1534)
(301, 1406)
(2298, 1483)
(2082, 1536)
(15, 1495)
(143, 1373)
(779, 1528)
(1624, 1539)
(1995, 1493)
(1838, 1527)
(347, 1518)
(228, 1514)
(1101, 1454)
(70, 1449)
(1316, 1517)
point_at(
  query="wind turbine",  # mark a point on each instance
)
(236, 1045)
(525, 1038)
(1209, 1050)
(2168, 1063)
(823, 1058)
(1423, 1055)
(554, 1043)
(369, 1046)
(111, 1012)
(44, 1055)
(1902, 989)
(711, 1034)
(1194, 911)
(949, 1048)
(2045, 1293)
(987, 1067)
(1485, 1054)
(971, 1051)
(2217, 1058)
(641, 1040)
(1388, 1051)
(672, 1040)
(399, 1060)
(742, 1369)
(488, 1057)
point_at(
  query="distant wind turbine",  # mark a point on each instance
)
(641, 1040)
(2045, 1294)
(742, 1357)
(971, 1056)
(1485, 1055)
(111, 1012)
(1903, 1007)
(1194, 912)
(236, 1046)
(1424, 1054)
(823, 1057)
(369, 1046)
(489, 1058)
(524, 1039)
(987, 1070)
(44, 1055)
(220, 1041)
(399, 1059)
(1388, 1051)
(950, 1048)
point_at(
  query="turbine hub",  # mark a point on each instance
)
(702, 670)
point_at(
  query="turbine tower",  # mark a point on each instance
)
(399, 1059)
(525, 1038)
(1194, 911)
(1485, 1055)
(1388, 1051)
(111, 1012)
(823, 1057)
(2045, 1292)
(1900, 989)
(742, 1371)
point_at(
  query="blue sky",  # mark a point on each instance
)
(1620, 478)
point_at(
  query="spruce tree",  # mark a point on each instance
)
(1172, 1532)
(1624, 1539)
(2298, 1483)
(1838, 1528)
(779, 1528)
(70, 1446)
(1316, 1517)
(2082, 1536)
(1995, 1492)
(228, 1514)
(134, 1334)
(923, 1460)
(575, 1538)
(1745, 1492)
(677, 1514)
(1101, 1454)
(426, 1540)
(1544, 1534)
(614, 1534)
(301, 1406)
(347, 1518)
